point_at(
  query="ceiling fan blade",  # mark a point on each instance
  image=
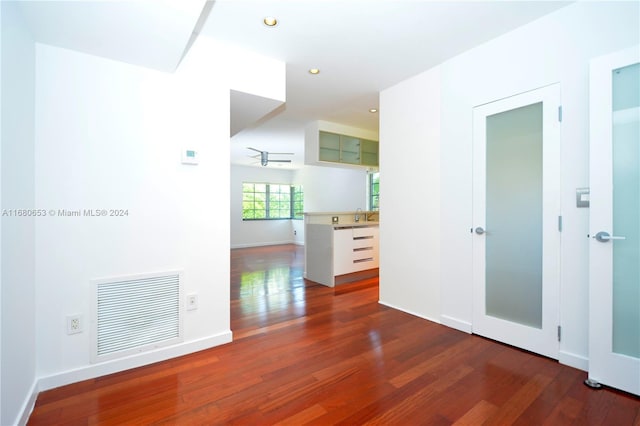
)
(279, 161)
(280, 153)
(253, 149)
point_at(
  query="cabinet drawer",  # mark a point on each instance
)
(365, 260)
(364, 242)
(365, 231)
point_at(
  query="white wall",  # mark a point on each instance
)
(328, 189)
(555, 48)
(109, 136)
(259, 232)
(410, 196)
(18, 260)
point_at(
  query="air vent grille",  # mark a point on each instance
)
(136, 314)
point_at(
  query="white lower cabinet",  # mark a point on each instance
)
(331, 251)
(355, 249)
(342, 262)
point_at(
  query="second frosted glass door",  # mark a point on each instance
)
(614, 252)
(516, 205)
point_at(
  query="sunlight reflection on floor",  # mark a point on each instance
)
(276, 288)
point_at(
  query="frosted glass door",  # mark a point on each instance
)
(513, 274)
(626, 210)
(614, 314)
(516, 205)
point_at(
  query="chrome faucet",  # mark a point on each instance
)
(356, 218)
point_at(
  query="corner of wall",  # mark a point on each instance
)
(29, 404)
(17, 265)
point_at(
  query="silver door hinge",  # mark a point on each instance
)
(559, 333)
(559, 223)
(560, 113)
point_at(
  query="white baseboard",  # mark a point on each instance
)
(415, 314)
(572, 360)
(133, 361)
(456, 323)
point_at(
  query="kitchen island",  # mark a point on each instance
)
(339, 249)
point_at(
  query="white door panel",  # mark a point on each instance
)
(516, 241)
(614, 260)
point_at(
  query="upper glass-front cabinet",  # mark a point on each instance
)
(347, 149)
(369, 153)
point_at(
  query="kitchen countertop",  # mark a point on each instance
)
(349, 224)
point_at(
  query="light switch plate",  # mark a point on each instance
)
(582, 197)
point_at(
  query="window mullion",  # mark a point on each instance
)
(268, 202)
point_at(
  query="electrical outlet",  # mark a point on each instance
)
(192, 302)
(295, 232)
(74, 324)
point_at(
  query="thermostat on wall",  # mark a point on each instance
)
(189, 156)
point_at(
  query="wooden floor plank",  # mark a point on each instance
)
(565, 412)
(304, 416)
(304, 353)
(520, 401)
(477, 415)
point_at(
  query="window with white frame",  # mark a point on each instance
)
(374, 191)
(264, 201)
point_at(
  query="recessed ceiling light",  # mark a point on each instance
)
(314, 71)
(270, 21)
(373, 110)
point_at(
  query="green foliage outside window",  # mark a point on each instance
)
(298, 202)
(374, 191)
(271, 201)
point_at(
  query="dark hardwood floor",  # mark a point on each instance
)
(304, 354)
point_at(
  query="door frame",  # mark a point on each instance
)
(543, 341)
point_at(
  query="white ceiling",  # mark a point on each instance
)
(360, 46)
(150, 33)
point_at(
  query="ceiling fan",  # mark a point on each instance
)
(264, 156)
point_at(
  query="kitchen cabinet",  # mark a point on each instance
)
(346, 149)
(337, 250)
(329, 147)
(369, 153)
(355, 249)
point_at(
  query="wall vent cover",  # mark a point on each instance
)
(136, 314)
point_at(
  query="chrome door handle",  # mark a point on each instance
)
(603, 237)
(480, 230)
